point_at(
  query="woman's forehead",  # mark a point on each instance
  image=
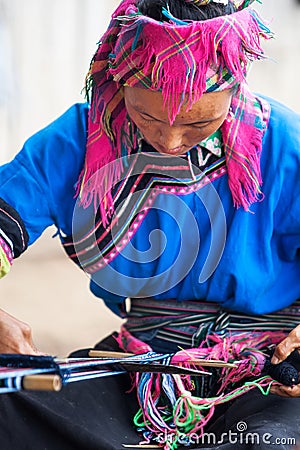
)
(146, 101)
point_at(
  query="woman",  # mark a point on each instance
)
(187, 203)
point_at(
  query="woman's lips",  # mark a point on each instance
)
(172, 151)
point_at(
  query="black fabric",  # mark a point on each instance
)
(13, 226)
(97, 415)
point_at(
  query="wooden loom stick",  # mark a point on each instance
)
(161, 368)
(78, 368)
(197, 362)
(212, 363)
(106, 354)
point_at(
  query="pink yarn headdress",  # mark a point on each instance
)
(182, 60)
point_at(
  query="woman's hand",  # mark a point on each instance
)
(15, 336)
(282, 351)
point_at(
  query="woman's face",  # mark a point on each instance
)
(147, 111)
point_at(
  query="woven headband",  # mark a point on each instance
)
(239, 4)
(206, 2)
(182, 60)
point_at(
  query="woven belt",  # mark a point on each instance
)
(187, 323)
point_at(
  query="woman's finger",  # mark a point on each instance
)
(287, 346)
(286, 391)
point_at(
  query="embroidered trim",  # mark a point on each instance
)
(13, 230)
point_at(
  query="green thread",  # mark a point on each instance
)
(136, 419)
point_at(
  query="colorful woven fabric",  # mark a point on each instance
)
(188, 323)
(5, 258)
(206, 2)
(13, 230)
(177, 405)
(239, 4)
(183, 60)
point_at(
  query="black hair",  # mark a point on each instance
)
(183, 10)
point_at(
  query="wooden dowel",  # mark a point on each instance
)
(42, 382)
(105, 354)
(211, 363)
(197, 362)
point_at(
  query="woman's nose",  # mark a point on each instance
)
(171, 137)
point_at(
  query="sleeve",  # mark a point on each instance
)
(281, 165)
(37, 187)
(287, 203)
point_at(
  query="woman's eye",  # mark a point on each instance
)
(200, 125)
(146, 119)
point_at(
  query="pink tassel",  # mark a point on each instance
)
(242, 145)
(129, 343)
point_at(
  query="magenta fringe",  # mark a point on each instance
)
(182, 61)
